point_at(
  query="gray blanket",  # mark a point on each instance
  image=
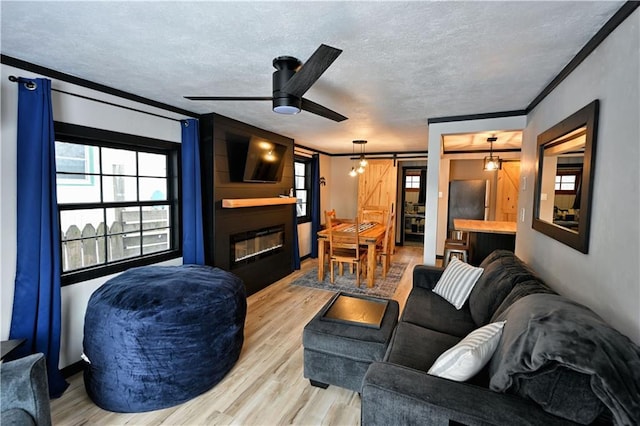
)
(549, 338)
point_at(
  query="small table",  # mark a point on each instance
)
(370, 237)
(345, 337)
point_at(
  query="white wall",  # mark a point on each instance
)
(608, 278)
(438, 166)
(73, 110)
(343, 188)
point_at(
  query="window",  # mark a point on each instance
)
(302, 173)
(116, 199)
(412, 182)
(567, 181)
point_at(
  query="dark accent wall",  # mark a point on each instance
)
(220, 223)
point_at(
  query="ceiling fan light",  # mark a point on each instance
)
(286, 109)
(286, 105)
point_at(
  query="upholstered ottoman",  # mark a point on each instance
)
(157, 336)
(338, 352)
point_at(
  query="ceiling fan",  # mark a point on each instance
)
(291, 80)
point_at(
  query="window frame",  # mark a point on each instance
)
(72, 133)
(412, 178)
(307, 186)
(561, 172)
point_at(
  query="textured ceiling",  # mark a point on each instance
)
(403, 62)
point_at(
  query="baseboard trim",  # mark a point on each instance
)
(73, 369)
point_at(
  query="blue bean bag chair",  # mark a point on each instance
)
(157, 336)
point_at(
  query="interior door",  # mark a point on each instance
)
(507, 191)
(377, 185)
(414, 180)
(468, 199)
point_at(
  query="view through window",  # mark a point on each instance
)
(115, 204)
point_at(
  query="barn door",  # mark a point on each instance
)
(507, 193)
(377, 185)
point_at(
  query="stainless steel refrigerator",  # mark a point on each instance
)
(468, 199)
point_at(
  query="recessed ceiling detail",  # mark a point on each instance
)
(506, 140)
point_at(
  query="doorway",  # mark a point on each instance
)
(414, 184)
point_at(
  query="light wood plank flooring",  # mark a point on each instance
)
(266, 386)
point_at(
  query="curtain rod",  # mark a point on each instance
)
(31, 85)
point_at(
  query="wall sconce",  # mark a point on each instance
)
(492, 163)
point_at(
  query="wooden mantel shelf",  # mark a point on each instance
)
(232, 203)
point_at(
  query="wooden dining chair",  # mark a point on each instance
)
(373, 214)
(330, 215)
(385, 250)
(344, 248)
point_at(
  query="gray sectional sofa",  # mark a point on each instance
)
(556, 361)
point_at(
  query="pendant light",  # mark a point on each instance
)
(362, 161)
(353, 172)
(492, 163)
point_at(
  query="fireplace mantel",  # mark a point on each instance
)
(232, 203)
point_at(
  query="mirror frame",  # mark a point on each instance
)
(585, 117)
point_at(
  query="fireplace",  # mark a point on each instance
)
(249, 246)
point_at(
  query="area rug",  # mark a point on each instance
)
(383, 287)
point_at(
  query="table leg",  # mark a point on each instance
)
(371, 264)
(321, 242)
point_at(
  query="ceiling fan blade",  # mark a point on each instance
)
(318, 109)
(230, 98)
(311, 71)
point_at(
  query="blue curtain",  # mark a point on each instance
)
(36, 312)
(315, 204)
(192, 234)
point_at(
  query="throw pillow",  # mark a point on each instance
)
(470, 355)
(457, 281)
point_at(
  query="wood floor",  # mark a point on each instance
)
(266, 386)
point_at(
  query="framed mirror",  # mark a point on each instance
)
(564, 176)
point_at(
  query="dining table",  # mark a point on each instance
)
(370, 234)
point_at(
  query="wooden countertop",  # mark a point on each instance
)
(487, 226)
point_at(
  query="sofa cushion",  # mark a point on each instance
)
(417, 347)
(502, 271)
(470, 355)
(456, 282)
(519, 291)
(427, 309)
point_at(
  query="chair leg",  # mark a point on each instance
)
(385, 264)
(357, 274)
(331, 269)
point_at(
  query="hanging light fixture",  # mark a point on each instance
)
(362, 161)
(492, 163)
(353, 172)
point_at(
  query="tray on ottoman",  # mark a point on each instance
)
(340, 343)
(355, 309)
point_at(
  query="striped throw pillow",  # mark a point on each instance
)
(470, 355)
(457, 281)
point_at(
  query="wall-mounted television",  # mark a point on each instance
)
(254, 159)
